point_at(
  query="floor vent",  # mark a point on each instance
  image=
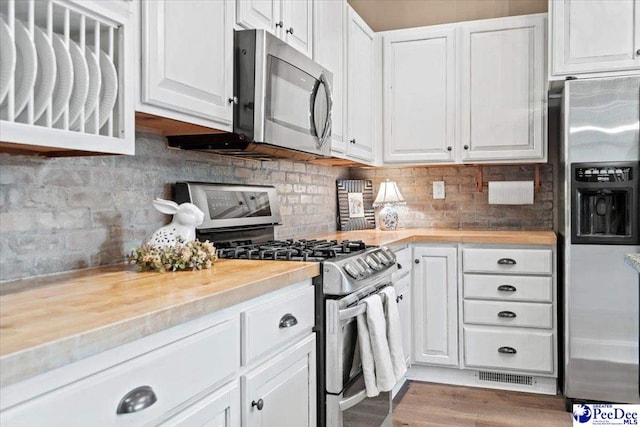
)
(505, 378)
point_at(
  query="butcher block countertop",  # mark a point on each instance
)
(52, 321)
(441, 235)
(56, 320)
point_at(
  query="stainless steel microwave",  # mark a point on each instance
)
(282, 103)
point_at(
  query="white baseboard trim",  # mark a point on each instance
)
(472, 378)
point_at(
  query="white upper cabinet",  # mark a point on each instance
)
(503, 90)
(297, 19)
(419, 98)
(360, 89)
(187, 61)
(329, 20)
(290, 20)
(71, 92)
(594, 36)
(259, 14)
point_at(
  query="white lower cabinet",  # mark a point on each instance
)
(484, 315)
(509, 311)
(282, 391)
(188, 375)
(403, 299)
(219, 409)
(435, 294)
(521, 350)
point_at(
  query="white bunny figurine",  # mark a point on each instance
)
(186, 217)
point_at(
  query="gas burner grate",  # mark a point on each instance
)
(309, 250)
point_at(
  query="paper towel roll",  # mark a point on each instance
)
(510, 192)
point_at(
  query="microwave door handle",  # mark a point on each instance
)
(328, 122)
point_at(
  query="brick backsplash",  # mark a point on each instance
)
(465, 207)
(62, 214)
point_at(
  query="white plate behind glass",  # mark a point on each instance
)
(46, 76)
(64, 80)
(7, 58)
(26, 70)
(108, 93)
(80, 84)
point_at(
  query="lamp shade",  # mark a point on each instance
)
(388, 194)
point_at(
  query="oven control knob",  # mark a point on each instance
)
(384, 258)
(378, 258)
(351, 270)
(375, 265)
(362, 266)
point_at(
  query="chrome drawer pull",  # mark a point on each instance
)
(136, 400)
(287, 321)
(259, 404)
(507, 288)
(507, 314)
(507, 261)
(507, 350)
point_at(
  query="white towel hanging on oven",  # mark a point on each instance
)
(394, 332)
(374, 348)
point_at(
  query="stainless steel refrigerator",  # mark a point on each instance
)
(598, 225)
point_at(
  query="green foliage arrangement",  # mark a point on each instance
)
(182, 256)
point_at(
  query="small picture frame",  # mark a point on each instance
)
(355, 199)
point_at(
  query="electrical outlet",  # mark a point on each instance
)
(438, 189)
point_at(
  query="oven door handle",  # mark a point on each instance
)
(349, 313)
(352, 401)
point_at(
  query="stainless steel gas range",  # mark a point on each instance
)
(240, 220)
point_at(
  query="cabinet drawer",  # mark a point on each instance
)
(505, 260)
(512, 288)
(508, 314)
(487, 348)
(275, 322)
(175, 373)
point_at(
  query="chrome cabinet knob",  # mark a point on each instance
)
(449, 148)
(290, 31)
(638, 52)
(280, 24)
(353, 141)
(417, 261)
(233, 100)
(466, 147)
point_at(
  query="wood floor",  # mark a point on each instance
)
(437, 405)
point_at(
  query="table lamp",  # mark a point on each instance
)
(388, 196)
